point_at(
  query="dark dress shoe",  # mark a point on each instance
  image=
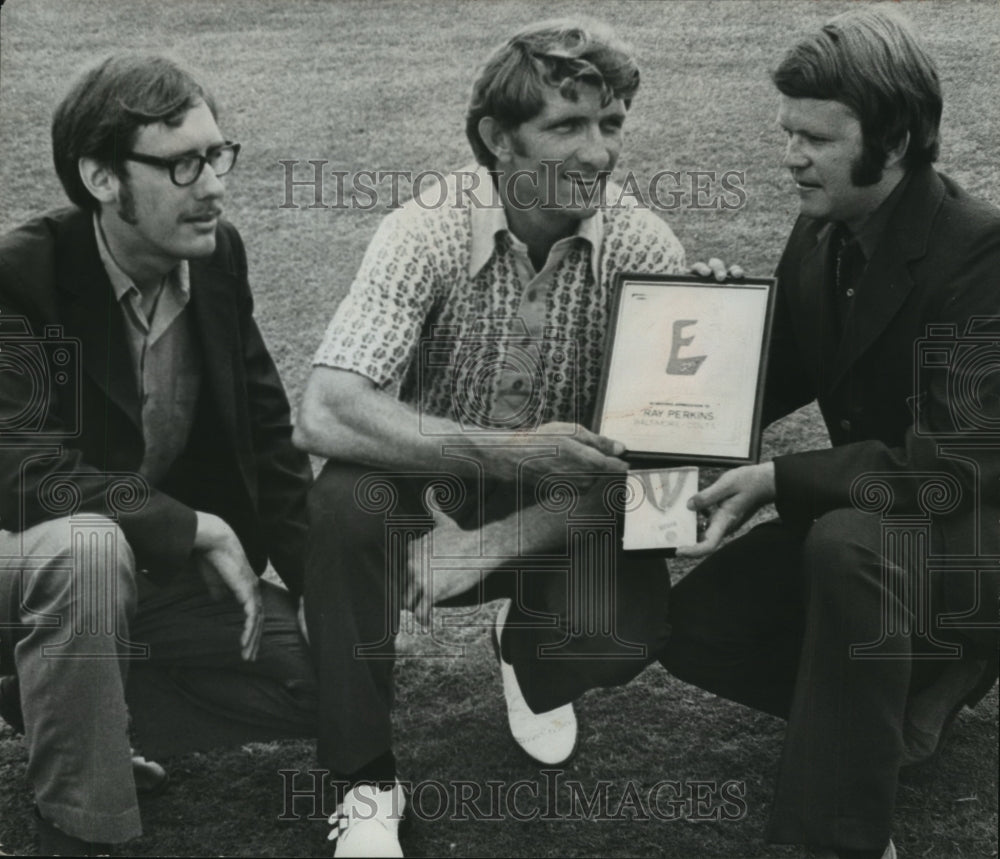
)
(931, 713)
(52, 841)
(150, 778)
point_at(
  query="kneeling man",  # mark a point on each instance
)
(466, 357)
(867, 613)
(147, 474)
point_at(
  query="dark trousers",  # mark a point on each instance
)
(97, 646)
(770, 619)
(582, 616)
(196, 691)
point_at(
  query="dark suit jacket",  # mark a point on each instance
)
(892, 397)
(70, 431)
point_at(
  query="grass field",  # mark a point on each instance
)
(382, 86)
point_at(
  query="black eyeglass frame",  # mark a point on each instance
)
(171, 164)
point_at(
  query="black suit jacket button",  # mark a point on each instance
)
(845, 425)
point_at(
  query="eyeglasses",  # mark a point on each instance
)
(186, 169)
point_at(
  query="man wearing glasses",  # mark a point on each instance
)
(147, 474)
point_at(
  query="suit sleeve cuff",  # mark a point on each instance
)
(161, 536)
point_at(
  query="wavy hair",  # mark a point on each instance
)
(559, 54)
(107, 106)
(871, 61)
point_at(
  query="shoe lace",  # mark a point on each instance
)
(342, 820)
(340, 823)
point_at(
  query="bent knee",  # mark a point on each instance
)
(842, 530)
(349, 505)
(90, 551)
(69, 535)
(335, 492)
(842, 543)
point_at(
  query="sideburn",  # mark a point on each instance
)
(868, 167)
(126, 203)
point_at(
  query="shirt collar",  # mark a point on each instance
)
(490, 218)
(178, 278)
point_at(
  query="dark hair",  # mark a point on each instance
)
(557, 54)
(105, 109)
(871, 61)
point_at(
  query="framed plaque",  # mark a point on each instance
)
(684, 368)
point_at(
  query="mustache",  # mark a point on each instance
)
(210, 212)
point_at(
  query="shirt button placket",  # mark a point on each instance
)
(521, 369)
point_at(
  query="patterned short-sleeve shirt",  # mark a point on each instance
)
(445, 310)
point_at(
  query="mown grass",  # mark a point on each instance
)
(383, 86)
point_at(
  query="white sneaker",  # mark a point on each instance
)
(550, 738)
(366, 823)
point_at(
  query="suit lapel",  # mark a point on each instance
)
(816, 311)
(214, 308)
(886, 282)
(90, 313)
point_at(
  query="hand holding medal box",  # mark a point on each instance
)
(656, 513)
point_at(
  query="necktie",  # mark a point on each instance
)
(848, 266)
